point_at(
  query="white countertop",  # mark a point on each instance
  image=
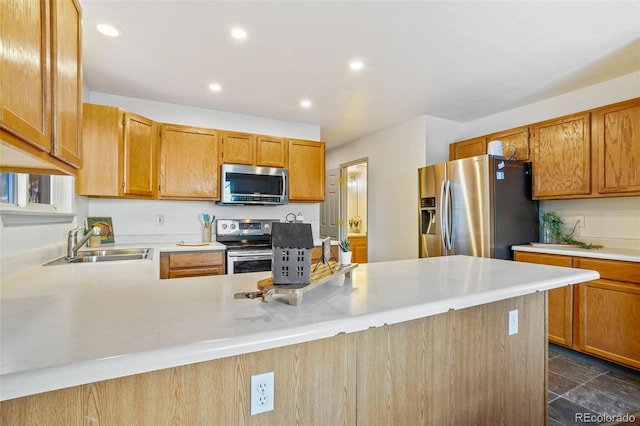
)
(68, 325)
(629, 255)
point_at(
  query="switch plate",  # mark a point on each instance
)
(159, 220)
(513, 322)
(262, 393)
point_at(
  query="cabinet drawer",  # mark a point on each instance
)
(610, 269)
(194, 259)
(195, 272)
(544, 259)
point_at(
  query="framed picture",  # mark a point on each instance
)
(106, 228)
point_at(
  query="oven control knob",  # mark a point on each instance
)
(224, 226)
(233, 226)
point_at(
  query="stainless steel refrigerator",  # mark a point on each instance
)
(477, 206)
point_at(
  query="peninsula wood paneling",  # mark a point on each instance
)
(314, 385)
(458, 368)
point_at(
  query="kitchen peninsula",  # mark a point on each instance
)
(426, 341)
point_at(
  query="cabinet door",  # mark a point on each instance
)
(140, 135)
(562, 157)
(306, 170)
(67, 81)
(617, 144)
(271, 151)
(25, 90)
(102, 142)
(359, 249)
(609, 315)
(468, 148)
(559, 300)
(188, 163)
(238, 148)
(515, 142)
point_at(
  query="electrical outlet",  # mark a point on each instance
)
(159, 220)
(262, 393)
(580, 220)
(513, 322)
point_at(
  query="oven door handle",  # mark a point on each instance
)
(243, 258)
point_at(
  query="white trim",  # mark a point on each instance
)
(23, 217)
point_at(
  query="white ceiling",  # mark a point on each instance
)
(459, 60)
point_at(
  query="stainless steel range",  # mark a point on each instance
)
(248, 244)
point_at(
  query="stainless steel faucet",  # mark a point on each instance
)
(72, 241)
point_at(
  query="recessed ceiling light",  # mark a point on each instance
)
(238, 33)
(356, 65)
(305, 103)
(109, 30)
(215, 87)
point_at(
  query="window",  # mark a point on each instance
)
(36, 192)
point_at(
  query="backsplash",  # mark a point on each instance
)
(134, 221)
(611, 222)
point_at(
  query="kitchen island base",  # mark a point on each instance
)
(458, 368)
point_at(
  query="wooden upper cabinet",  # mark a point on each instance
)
(562, 157)
(468, 148)
(188, 163)
(271, 151)
(238, 148)
(616, 133)
(25, 89)
(67, 78)
(140, 140)
(515, 142)
(253, 150)
(306, 170)
(119, 153)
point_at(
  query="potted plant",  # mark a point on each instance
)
(551, 231)
(345, 252)
(354, 223)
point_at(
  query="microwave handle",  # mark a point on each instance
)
(284, 185)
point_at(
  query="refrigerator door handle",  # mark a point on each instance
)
(449, 216)
(443, 213)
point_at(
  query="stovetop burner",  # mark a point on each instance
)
(239, 234)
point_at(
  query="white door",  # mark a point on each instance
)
(330, 208)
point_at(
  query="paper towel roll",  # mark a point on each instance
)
(495, 148)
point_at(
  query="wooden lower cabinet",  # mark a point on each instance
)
(316, 254)
(458, 368)
(560, 300)
(359, 249)
(599, 317)
(191, 264)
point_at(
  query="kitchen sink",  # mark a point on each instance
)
(105, 255)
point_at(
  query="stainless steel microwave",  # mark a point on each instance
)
(254, 185)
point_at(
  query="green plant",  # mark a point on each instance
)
(354, 222)
(555, 222)
(344, 245)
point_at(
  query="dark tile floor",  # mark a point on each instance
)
(586, 390)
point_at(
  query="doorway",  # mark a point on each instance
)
(344, 212)
(355, 208)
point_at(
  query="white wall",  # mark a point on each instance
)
(134, 220)
(164, 112)
(394, 156)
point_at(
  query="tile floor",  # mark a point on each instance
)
(591, 388)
